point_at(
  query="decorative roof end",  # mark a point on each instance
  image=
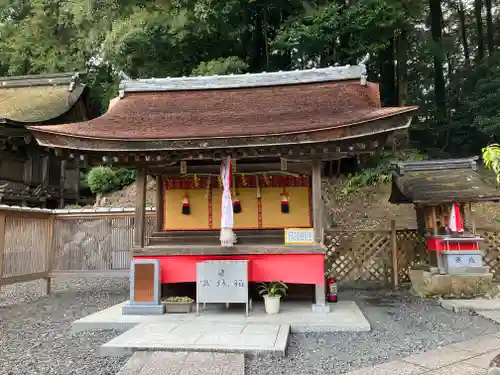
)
(75, 80)
(362, 65)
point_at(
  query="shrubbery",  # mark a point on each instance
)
(105, 179)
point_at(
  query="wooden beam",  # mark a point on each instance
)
(300, 168)
(159, 203)
(140, 207)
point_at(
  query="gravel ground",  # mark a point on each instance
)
(401, 325)
(35, 335)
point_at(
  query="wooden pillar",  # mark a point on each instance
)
(318, 225)
(62, 183)
(2, 241)
(317, 202)
(140, 207)
(49, 252)
(471, 219)
(394, 253)
(159, 203)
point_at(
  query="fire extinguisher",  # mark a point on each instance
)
(332, 289)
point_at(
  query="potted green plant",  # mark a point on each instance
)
(272, 293)
(178, 305)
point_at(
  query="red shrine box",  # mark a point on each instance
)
(445, 243)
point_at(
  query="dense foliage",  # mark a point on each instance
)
(105, 179)
(441, 55)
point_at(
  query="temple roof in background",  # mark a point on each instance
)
(38, 98)
(442, 181)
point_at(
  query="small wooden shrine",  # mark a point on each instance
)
(30, 175)
(443, 191)
(237, 160)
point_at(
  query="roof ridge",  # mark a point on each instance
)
(436, 165)
(41, 80)
(247, 80)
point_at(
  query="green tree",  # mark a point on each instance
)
(222, 66)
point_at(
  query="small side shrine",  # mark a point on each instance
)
(238, 164)
(443, 193)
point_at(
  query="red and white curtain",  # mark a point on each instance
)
(227, 237)
(456, 223)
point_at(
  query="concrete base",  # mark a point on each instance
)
(250, 339)
(343, 316)
(136, 309)
(427, 285)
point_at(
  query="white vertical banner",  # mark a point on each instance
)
(227, 237)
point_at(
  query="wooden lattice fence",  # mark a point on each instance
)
(358, 255)
(491, 249)
(366, 255)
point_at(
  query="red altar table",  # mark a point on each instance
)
(289, 268)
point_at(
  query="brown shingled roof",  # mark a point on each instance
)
(442, 181)
(233, 112)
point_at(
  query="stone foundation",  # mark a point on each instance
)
(426, 284)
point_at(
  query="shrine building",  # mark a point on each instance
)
(237, 161)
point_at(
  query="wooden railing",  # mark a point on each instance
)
(42, 244)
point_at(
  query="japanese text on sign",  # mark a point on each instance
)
(222, 281)
(299, 236)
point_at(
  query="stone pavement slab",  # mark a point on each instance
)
(483, 360)
(183, 363)
(490, 314)
(470, 357)
(344, 316)
(391, 368)
(439, 357)
(458, 369)
(478, 345)
(458, 305)
(246, 338)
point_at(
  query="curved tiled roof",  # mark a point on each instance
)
(235, 112)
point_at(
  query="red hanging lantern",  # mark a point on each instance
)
(186, 210)
(236, 205)
(285, 208)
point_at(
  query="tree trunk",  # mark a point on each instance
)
(402, 67)
(463, 31)
(388, 88)
(437, 36)
(478, 7)
(489, 28)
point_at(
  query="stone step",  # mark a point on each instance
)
(201, 336)
(184, 363)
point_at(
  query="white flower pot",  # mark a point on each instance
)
(272, 304)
